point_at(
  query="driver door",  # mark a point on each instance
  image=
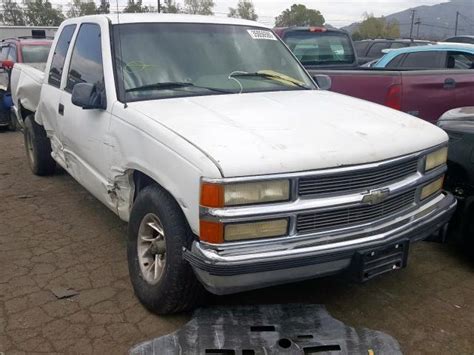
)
(84, 131)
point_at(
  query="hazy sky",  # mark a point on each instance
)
(336, 12)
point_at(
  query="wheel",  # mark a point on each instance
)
(38, 148)
(157, 232)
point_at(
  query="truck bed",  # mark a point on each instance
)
(26, 81)
(423, 93)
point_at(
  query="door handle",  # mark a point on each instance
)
(449, 84)
(61, 109)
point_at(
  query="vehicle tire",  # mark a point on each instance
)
(38, 148)
(12, 126)
(162, 280)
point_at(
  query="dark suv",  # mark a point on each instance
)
(459, 124)
(371, 49)
(18, 50)
(320, 47)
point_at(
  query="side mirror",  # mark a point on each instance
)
(324, 82)
(7, 64)
(88, 96)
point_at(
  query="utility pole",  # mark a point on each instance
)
(412, 23)
(418, 23)
(159, 6)
(457, 22)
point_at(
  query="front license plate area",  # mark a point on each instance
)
(376, 262)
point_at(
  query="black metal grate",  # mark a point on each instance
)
(357, 180)
(345, 217)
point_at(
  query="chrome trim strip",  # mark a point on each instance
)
(308, 204)
(288, 247)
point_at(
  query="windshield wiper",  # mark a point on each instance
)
(275, 76)
(171, 85)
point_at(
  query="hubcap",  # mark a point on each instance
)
(151, 248)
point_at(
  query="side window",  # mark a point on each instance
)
(86, 60)
(460, 60)
(12, 53)
(376, 50)
(395, 62)
(425, 60)
(59, 55)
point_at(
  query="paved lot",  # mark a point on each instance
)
(54, 234)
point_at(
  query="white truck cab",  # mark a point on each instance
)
(233, 169)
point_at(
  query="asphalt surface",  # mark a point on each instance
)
(55, 235)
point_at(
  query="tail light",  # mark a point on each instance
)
(394, 97)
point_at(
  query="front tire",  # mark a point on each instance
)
(163, 282)
(38, 148)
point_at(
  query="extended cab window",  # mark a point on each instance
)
(425, 60)
(59, 55)
(86, 61)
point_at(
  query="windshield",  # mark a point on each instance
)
(174, 60)
(37, 53)
(320, 48)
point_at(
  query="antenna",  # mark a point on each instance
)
(121, 56)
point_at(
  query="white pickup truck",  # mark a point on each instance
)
(233, 169)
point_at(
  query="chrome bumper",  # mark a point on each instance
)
(244, 267)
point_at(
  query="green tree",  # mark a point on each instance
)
(42, 13)
(299, 15)
(376, 27)
(245, 10)
(199, 7)
(82, 8)
(136, 6)
(12, 14)
(171, 7)
(104, 7)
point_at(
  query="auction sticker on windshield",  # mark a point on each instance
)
(262, 34)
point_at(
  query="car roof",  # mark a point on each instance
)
(434, 47)
(395, 40)
(165, 18)
(305, 28)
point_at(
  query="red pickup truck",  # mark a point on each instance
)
(423, 93)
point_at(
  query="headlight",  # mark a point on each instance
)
(432, 188)
(254, 230)
(216, 232)
(246, 193)
(437, 158)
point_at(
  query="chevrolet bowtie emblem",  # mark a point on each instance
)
(374, 197)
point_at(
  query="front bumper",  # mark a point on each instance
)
(249, 267)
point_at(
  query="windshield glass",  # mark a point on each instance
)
(37, 53)
(320, 48)
(173, 60)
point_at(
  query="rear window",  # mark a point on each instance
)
(35, 53)
(320, 48)
(361, 48)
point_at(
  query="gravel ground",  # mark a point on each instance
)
(53, 234)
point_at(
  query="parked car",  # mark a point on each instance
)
(370, 49)
(233, 174)
(438, 56)
(461, 39)
(18, 50)
(459, 124)
(320, 47)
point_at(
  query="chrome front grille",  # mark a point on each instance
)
(346, 217)
(357, 181)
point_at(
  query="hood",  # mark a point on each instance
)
(290, 131)
(460, 120)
